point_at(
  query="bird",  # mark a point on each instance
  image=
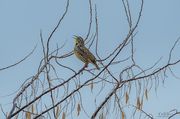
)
(83, 53)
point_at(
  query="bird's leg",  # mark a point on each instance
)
(86, 65)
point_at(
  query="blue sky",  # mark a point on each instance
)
(22, 20)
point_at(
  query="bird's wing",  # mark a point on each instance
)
(90, 55)
(83, 52)
(91, 58)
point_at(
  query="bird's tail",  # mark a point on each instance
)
(96, 66)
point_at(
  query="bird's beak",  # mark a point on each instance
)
(74, 36)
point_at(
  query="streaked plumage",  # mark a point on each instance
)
(83, 53)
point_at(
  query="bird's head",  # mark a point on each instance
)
(78, 40)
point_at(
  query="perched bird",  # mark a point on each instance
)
(83, 53)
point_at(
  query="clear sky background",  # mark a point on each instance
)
(22, 20)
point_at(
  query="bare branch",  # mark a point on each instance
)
(19, 61)
(54, 30)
